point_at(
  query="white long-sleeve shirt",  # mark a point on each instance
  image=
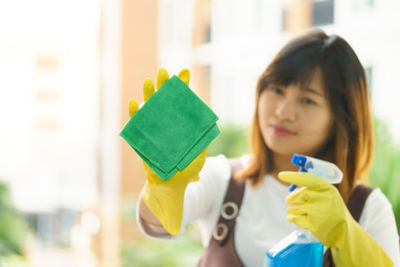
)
(261, 222)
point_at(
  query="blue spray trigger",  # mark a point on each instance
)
(300, 161)
(309, 165)
(292, 187)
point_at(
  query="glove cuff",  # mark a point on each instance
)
(355, 247)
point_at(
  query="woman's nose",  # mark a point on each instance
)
(286, 109)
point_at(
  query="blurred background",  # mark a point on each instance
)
(69, 183)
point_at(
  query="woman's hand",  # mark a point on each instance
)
(318, 207)
(165, 198)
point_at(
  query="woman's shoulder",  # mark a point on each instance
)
(216, 167)
(222, 159)
(245, 160)
(379, 221)
(219, 166)
(377, 200)
(377, 207)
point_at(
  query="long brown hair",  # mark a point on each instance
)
(350, 144)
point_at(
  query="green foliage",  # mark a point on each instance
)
(385, 169)
(15, 261)
(149, 253)
(13, 229)
(146, 252)
(232, 141)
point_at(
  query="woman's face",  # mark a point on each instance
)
(294, 119)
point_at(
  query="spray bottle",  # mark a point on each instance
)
(301, 248)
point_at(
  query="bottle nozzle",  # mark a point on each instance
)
(320, 168)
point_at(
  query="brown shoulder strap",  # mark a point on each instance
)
(355, 205)
(357, 200)
(221, 251)
(231, 205)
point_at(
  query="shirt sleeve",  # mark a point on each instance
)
(378, 220)
(202, 198)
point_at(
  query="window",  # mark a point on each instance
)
(322, 12)
(363, 4)
(202, 28)
(283, 25)
(52, 228)
(202, 81)
(47, 93)
(369, 73)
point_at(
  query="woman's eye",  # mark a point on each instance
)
(308, 101)
(277, 90)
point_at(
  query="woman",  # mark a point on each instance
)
(312, 99)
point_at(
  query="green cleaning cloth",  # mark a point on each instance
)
(171, 129)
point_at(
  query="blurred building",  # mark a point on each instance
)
(49, 114)
(129, 54)
(227, 44)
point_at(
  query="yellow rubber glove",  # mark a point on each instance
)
(319, 207)
(165, 198)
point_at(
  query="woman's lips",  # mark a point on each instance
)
(281, 131)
